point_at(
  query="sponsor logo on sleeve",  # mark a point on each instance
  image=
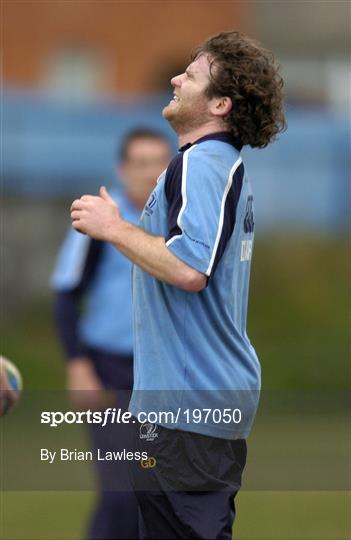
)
(249, 223)
(246, 250)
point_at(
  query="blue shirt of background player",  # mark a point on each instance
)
(191, 349)
(103, 275)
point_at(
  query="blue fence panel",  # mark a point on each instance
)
(52, 149)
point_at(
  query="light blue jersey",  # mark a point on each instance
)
(191, 350)
(106, 321)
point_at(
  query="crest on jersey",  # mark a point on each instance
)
(150, 204)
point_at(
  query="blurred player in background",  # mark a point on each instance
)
(192, 256)
(93, 312)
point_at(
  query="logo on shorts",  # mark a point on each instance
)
(148, 463)
(148, 431)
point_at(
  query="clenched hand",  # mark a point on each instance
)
(99, 217)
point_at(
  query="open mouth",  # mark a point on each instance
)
(175, 99)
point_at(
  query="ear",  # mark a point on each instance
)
(221, 106)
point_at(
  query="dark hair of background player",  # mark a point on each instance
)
(139, 133)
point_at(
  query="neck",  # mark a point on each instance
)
(196, 133)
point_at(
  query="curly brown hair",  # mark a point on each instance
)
(243, 70)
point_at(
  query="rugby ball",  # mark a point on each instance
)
(14, 380)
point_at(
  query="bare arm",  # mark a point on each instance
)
(99, 217)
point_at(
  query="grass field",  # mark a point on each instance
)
(262, 515)
(299, 324)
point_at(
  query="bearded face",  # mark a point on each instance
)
(189, 107)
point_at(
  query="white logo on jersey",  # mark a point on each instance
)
(246, 250)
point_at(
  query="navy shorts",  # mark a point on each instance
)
(186, 486)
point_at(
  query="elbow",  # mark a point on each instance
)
(192, 281)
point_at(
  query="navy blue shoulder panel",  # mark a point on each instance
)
(229, 218)
(91, 263)
(173, 191)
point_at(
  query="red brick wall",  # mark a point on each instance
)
(134, 37)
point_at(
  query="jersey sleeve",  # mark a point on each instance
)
(202, 198)
(76, 263)
(75, 266)
(71, 261)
